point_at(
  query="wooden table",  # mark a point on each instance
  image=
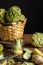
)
(27, 39)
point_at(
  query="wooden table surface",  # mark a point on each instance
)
(27, 39)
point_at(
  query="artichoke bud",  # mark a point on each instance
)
(14, 14)
(22, 17)
(37, 39)
(16, 9)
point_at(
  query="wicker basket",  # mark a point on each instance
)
(12, 31)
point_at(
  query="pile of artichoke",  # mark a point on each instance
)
(12, 15)
(37, 39)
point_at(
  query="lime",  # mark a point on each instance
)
(1, 47)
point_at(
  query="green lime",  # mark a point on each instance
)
(1, 47)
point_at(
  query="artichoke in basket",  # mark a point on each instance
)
(2, 15)
(37, 39)
(3, 62)
(14, 14)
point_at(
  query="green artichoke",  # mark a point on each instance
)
(14, 14)
(2, 15)
(37, 39)
(16, 9)
(22, 17)
(17, 47)
(27, 54)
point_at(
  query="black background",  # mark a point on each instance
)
(32, 9)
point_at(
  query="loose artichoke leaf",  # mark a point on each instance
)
(26, 55)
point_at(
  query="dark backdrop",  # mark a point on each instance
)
(32, 9)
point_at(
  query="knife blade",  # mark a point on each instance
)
(9, 57)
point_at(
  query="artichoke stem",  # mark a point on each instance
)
(18, 46)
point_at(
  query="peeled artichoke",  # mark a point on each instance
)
(2, 15)
(14, 14)
(17, 47)
(27, 54)
(37, 39)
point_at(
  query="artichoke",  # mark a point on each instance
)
(16, 9)
(18, 46)
(14, 14)
(27, 54)
(22, 17)
(37, 39)
(2, 15)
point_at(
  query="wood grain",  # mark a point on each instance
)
(27, 38)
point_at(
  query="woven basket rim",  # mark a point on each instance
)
(9, 24)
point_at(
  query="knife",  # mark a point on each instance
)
(9, 57)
